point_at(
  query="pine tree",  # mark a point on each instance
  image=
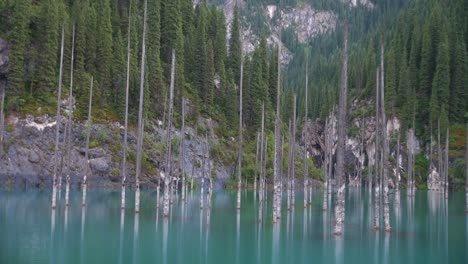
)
(458, 91)
(79, 11)
(200, 54)
(91, 39)
(104, 49)
(45, 75)
(235, 46)
(273, 76)
(220, 43)
(19, 42)
(441, 82)
(172, 38)
(155, 73)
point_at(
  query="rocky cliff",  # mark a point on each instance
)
(30, 142)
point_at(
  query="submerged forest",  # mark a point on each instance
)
(234, 131)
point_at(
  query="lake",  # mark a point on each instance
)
(425, 229)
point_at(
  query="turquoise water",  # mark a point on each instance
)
(425, 230)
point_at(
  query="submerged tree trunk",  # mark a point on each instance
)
(88, 132)
(377, 156)
(306, 172)
(409, 145)
(293, 154)
(327, 165)
(127, 87)
(262, 158)
(182, 151)
(239, 166)
(466, 162)
(439, 157)
(70, 122)
(256, 164)
(202, 185)
(446, 166)
(385, 147)
(57, 126)
(168, 169)
(140, 114)
(277, 160)
(340, 173)
(288, 180)
(2, 119)
(397, 174)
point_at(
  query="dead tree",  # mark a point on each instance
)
(140, 114)
(306, 172)
(466, 162)
(70, 122)
(385, 144)
(57, 125)
(397, 171)
(277, 160)
(239, 158)
(293, 154)
(256, 164)
(88, 132)
(262, 156)
(377, 155)
(288, 180)
(439, 156)
(168, 169)
(446, 163)
(182, 151)
(326, 164)
(127, 87)
(2, 119)
(340, 173)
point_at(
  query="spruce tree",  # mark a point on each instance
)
(104, 49)
(45, 75)
(273, 76)
(19, 40)
(172, 38)
(155, 73)
(441, 82)
(235, 46)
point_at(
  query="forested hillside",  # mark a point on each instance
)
(425, 59)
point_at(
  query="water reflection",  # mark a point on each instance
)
(423, 225)
(136, 223)
(83, 218)
(122, 224)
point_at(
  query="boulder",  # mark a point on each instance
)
(99, 165)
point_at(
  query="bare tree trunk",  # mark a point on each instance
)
(168, 169)
(127, 87)
(340, 173)
(140, 114)
(327, 165)
(88, 132)
(57, 126)
(466, 161)
(377, 156)
(439, 156)
(306, 172)
(182, 151)
(202, 190)
(446, 163)
(293, 153)
(70, 123)
(409, 144)
(239, 182)
(262, 163)
(2, 119)
(397, 176)
(277, 160)
(385, 143)
(256, 164)
(288, 180)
